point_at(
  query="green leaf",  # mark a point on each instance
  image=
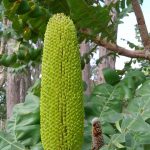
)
(110, 116)
(36, 88)
(138, 127)
(24, 125)
(3, 60)
(107, 102)
(128, 94)
(87, 137)
(102, 90)
(143, 137)
(111, 76)
(128, 2)
(23, 7)
(140, 104)
(35, 11)
(134, 123)
(11, 59)
(37, 147)
(123, 4)
(6, 4)
(106, 148)
(17, 25)
(7, 142)
(137, 76)
(144, 89)
(132, 128)
(95, 18)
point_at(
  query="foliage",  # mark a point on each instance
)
(23, 128)
(7, 142)
(123, 108)
(29, 20)
(24, 124)
(122, 104)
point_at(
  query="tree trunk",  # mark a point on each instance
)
(109, 61)
(2, 50)
(17, 84)
(25, 83)
(84, 48)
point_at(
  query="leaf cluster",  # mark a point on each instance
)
(123, 109)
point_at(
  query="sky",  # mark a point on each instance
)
(127, 31)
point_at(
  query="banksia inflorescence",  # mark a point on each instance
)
(61, 104)
(97, 136)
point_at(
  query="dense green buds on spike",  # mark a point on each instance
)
(61, 104)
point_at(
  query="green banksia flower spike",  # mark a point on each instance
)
(61, 104)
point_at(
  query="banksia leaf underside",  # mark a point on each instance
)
(61, 105)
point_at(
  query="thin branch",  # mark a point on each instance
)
(120, 50)
(115, 48)
(141, 23)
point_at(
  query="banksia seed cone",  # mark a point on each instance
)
(97, 137)
(61, 104)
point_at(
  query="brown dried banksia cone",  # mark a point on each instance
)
(61, 103)
(97, 137)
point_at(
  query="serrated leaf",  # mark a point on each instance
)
(109, 102)
(24, 125)
(117, 139)
(134, 123)
(7, 142)
(140, 104)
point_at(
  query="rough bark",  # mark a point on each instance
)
(142, 27)
(2, 50)
(115, 48)
(141, 22)
(25, 83)
(84, 48)
(109, 61)
(12, 94)
(17, 84)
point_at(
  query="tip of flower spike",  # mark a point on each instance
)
(60, 16)
(95, 120)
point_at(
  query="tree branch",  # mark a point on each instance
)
(141, 23)
(120, 50)
(115, 48)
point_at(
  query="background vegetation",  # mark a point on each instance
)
(121, 101)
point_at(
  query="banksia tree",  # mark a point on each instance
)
(61, 104)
